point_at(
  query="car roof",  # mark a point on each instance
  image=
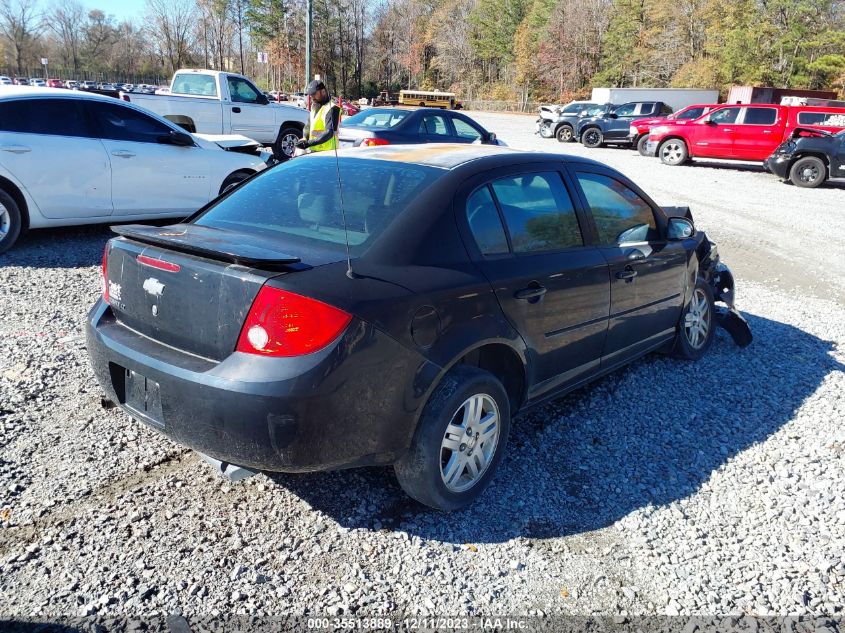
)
(30, 91)
(451, 155)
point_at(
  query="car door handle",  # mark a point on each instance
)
(236, 110)
(16, 149)
(122, 153)
(532, 292)
(727, 129)
(767, 131)
(627, 273)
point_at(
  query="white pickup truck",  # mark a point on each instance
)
(214, 102)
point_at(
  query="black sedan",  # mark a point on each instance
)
(392, 126)
(401, 318)
(809, 157)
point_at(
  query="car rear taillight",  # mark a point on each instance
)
(126, 97)
(281, 323)
(372, 142)
(105, 273)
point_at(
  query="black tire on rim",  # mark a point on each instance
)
(673, 152)
(564, 133)
(11, 222)
(808, 172)
(233, 180)
(285, 143)
(697, 325)
(460, 439)
(592, 137)
(641, 145)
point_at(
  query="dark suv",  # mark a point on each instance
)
(292, 326)
(565, 123)
(613, 125)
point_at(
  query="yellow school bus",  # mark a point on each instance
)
(422, 98)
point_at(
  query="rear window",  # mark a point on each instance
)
(299, 201)
(192, 84)
(377, 118)
(832, 119)
(760, 116)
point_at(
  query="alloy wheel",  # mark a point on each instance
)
(289, 144)
(5, 221)
(809, 173)
(697, 320)
(672, 152)
(565, 134)
(470, 442)
(592, 137)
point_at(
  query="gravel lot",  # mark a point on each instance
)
(668, 487)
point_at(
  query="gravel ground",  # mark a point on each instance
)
(665, 488)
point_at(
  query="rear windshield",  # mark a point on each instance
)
(299, 201)
(377, 118)
(194, 84)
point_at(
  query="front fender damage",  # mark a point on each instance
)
(721, 281)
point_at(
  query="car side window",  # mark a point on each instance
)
(621, 216)
(121, 123)
(240, 91)
(692, 113)
(465, 130)
(666, 109)
(538, 212)
(434, 124)
(485, 223)
(725, 115)
(760, 116)
(626, 110)
(56, 117)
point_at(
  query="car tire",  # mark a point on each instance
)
(11, 222)
(592, 137)
(673, 152)
(565, 134)
(545, 130)
(234, 179)
(808, 172)
(442, 442)
(641, 145)
(697, 325)
(285, 144)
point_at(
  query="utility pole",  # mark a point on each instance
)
(308, 15)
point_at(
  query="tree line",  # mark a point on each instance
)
(512, 50)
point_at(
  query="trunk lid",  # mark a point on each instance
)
(192, 296)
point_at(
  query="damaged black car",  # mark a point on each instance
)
(397, 306)
(809, 157)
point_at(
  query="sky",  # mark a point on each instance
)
(120, 9)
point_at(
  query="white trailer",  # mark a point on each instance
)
(676, 98)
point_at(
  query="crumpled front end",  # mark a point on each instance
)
(722, 283)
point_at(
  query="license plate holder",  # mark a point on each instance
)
(143, 396)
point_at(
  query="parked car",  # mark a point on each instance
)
(349, 108)
(88, 85)
(71, 84)
(38, 83)
(638, 134)
(385, 126)
(550, 121)
(479, 281)
(564, 125)
(5, 81)
(55, 83)
(738, 132)
(21, 81)
(80, 158)
(809, 157)
(226, 103)
(612, 125)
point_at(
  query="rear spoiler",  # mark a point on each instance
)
(219, 244)
(799, 131)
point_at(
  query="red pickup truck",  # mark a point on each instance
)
(638, 133)
(738, 132)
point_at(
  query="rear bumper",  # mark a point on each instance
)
(778, 165)
(350, 404)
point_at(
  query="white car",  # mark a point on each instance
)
(70, 158)
(39, 83)
(5, 81)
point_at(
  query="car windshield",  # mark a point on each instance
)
(373, 118)
(299, 201)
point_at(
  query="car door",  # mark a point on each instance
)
(618, 123)
(50, 148)
(757, 133)
(150, 177)
(252, 115)
(714, 135)
(466, 130)
(526, 235)
(435, 127)
(647, 272)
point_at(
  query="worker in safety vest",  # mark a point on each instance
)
(321, 133)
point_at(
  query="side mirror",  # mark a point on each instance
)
(612, 115)
(183, 139)
(708, 120)
(679, 229)
(490, 138)
(262, 99)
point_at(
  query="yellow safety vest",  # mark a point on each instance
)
(319, 121)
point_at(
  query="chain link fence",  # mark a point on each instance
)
(500, 106)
